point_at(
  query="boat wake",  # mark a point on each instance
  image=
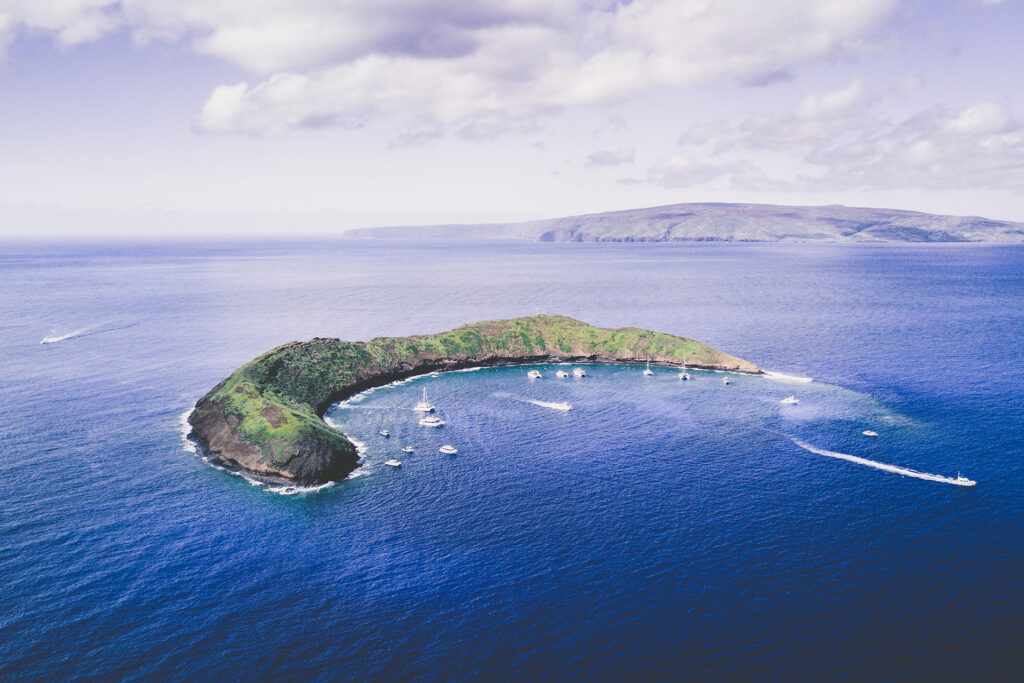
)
(86, 332)
(906, 472)
(561, 405)
(782, 377)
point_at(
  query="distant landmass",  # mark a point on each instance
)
(727, 223)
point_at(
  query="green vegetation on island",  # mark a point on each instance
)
(266, 418)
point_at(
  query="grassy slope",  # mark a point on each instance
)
(279, 395)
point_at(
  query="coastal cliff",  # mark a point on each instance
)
(266, 418)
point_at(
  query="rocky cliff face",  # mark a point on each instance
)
(266, 418)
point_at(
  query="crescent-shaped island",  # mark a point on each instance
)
(266, 419)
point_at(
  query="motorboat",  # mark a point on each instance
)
(534, 374)
(393, 463)
(448, 449)
(961, 480)
(385, 433)
(407, 449)
(579, 372)
(647, 371)
(561, 374)
(868, 432)
(424, 405)
(790, 401)
(431, 421)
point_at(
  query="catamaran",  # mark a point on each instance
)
(561, 374)
(407, 449)
(579, 372)
(684, 375)
(424, 405)
(393, 463)
(448, 449)
(647, 371)
(790, 400)
(431, 421)
(385, 433)
(534, 374)
(868, 432)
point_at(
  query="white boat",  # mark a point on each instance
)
(393, 463)
(868, 432)
(579, 372)
(725, 380)
(424, 405)
(534, 374)
(683, 374)
(647, 371)
(449, 449)
(385, 433)
(407, 449)
(561, 374)
(431, 421)
(961, 480)
(790, 400)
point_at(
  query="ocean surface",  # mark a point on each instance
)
(658, 530)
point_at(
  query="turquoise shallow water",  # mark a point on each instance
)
(658, 529)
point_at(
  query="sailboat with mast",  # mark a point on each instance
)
(424, 405)
(647, 371)
(683, 374)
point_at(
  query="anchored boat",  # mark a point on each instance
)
(424, 405)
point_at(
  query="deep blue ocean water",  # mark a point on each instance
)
(658, 530)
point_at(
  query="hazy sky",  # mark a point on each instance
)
(248, 116)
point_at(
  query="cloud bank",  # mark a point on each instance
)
(480, 69)
(844, 140)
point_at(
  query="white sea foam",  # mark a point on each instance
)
(782, 377)
(883, 466)
(551, 404)
(361, 449)
(186, 429)
(291, 490)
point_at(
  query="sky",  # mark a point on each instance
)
(293, 117)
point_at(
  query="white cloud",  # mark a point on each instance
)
(831, 104)
(612, 157)
(982, 118)
(483, 67)
(838, 141)
(685, 171)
